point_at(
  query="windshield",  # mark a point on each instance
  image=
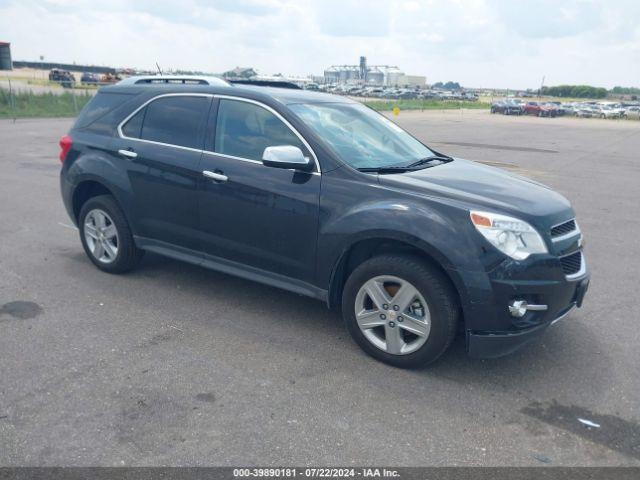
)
(361, 137)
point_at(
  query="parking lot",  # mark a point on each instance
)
(176, 365)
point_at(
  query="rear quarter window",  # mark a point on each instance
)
(100, 105)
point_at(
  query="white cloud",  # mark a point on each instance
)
(476, 42)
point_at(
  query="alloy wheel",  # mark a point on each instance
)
(393, 315)
(101, 235)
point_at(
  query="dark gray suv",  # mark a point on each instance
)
(322, 196)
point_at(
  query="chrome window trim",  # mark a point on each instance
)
(164, 95)
(281, 118)
(249, 160)
(570, 234)
(208, 152)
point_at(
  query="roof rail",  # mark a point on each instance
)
(267, 83)
(173, 80)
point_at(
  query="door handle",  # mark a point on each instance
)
(128, 153)
(215, 176)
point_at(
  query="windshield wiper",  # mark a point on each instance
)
(384, 169)
(409, 168)
(424, 161)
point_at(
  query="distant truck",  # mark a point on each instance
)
(89, 78)
(63, 77)
(110, 78)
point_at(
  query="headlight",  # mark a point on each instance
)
(511, 236)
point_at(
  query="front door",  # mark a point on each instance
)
(258, 216)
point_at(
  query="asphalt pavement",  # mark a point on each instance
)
(176, 365)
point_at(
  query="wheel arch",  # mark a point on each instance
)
(86, 190)
(362, 249)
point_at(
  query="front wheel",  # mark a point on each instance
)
(400, 310)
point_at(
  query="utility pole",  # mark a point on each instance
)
(541, 85)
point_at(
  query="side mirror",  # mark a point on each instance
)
(286, 156)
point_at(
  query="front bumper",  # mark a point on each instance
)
(540, 280)
(497, 344)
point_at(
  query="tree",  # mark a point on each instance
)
(447, 86)
(625, 90)
(578, 91)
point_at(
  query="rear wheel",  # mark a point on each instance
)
(106, 236)
(400, 310)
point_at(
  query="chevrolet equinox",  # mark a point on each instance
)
(322, 196)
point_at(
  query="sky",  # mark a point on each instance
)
(479, 43)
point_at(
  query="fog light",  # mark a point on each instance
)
(519, 308)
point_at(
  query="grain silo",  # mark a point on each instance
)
(5, 56)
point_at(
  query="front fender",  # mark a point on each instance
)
(430, 225)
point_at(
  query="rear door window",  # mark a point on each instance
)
(175, 120)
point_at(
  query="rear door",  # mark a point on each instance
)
(162, 143)
(258, 216)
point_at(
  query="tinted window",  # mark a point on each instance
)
(101, 104)
(175, 120)
(245, 130)
(133, 127)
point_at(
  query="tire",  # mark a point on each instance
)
(440, 319)
(127, 255)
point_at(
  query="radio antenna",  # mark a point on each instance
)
(158, 67)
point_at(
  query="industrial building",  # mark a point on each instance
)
(386, 75)
(5, 56)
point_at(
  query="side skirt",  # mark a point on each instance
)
(231, 268)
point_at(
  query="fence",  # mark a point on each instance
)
(41, 100)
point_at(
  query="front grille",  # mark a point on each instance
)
(571, 264)
(563, 228)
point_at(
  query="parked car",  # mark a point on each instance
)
(539, 109)
(507, 107)
(63, 77)
(632, 112)
(585, 111)
(608, 110)
(375, 92)
(110, 78)
(89, 78)
(558, 108)
(324, 197)
(427, 94)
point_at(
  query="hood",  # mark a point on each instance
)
(482, 187)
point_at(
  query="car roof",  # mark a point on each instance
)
(286, 96)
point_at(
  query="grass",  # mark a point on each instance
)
(415, 104)
(30, 105)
